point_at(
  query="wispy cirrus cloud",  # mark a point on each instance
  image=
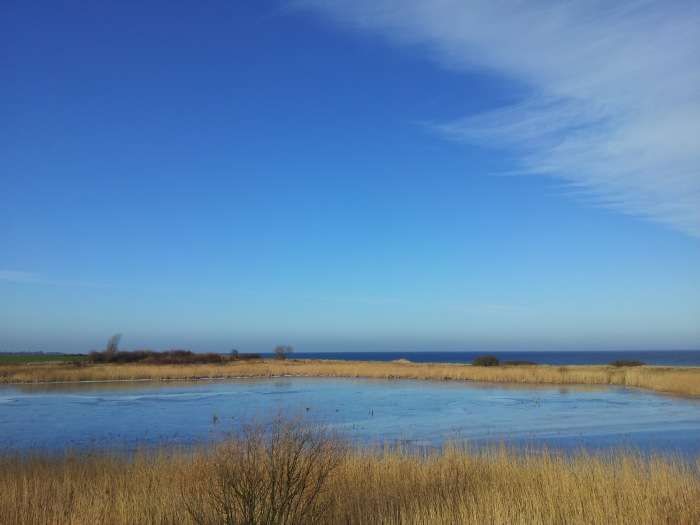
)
(612, 101)
(22, 277)
(14, 276)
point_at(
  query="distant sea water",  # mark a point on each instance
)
(662, 357)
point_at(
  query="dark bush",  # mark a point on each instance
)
(244, 357)
(176, 357)
(626, 362)
(131, 357)
(170, 357)
(486, 360)
(96, 357)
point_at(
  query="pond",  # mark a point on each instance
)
(128, 415)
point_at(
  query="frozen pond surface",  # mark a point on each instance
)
(130, 414)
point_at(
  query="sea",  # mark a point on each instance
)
(657, 357)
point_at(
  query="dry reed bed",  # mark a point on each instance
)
(451, 486)
(676, 380)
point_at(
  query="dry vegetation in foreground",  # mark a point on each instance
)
(676, 380)
(294, 476)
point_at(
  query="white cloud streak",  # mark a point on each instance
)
(21, 277)
(612, 98)
(13, 276)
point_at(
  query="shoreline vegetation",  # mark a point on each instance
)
(290, 475)
(672, 380)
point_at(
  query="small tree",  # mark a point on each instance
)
(283, 351)
(233, 353)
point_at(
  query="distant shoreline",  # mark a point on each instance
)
(675, 357)
(685, 357)
(672, 380)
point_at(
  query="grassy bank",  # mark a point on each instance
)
(676, 380)
(12, 359)
(296, 478)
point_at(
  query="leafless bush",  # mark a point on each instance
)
(283, 351)
(269, 477)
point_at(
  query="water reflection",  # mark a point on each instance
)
(145, 385)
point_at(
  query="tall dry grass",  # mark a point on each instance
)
(676, 380)
(300, 479)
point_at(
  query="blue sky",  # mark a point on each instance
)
(345, 175)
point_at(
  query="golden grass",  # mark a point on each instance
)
(451, 486)
(676, 380)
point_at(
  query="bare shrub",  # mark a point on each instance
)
(283, 351)
(274, 477)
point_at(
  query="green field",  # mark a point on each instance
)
(9, 359)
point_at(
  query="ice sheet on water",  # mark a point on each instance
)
(365, 411)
